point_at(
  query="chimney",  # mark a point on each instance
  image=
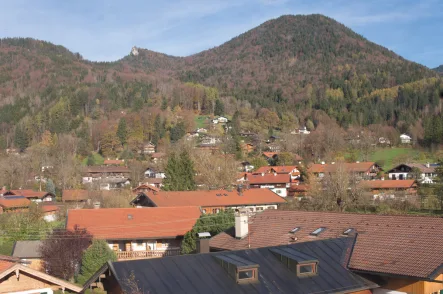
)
(262, 174)
(428, 165)
(275, 174)
(203, 242)
(241, 223)
(96, 205)
(322, 162)
(240, 190)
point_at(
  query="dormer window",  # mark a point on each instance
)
(300, 263)
(318, 231)
(238, 268)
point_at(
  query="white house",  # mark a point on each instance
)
(405, 139)
(201, 130)
(405, 171)
(301, 131)
(153, 174)
(220, 119)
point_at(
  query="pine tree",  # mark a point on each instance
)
(122, 131)
(50, 187)
(21, 138)
(164, 104)
(93, 259)
(219, 108)
(180, 173)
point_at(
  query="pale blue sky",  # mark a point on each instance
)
(105, 30)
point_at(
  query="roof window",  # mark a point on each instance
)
(294, 230)
(238, 268)
(348, 231)
(300, 263)
(318, 231)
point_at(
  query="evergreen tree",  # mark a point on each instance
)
(50, 187)
(93, 259)
(180, 173)
(91, 160)
(219, 108)
(164, 104)
(21, 138)
(214, 224)
(122, 131)
(177, 132)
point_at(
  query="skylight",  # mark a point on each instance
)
(348, 231)
(318, 231)
(294, 230)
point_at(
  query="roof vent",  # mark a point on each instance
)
(300, 263)
(238, 268)
(130, 216)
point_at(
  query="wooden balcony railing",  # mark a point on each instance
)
(146, 254)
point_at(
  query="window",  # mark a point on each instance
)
(294, 230)
(317, 231)
(204, 211)
(306, 269)
(246, 274)
(348, 231)
(259, 209)
(271, 207)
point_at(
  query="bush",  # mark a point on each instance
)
(94, 258)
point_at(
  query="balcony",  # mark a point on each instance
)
(124, 255)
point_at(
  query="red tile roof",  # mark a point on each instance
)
(158, 155)
(7, 262)
(388, 184)
(299, 188)
(402, 245)
(284, 169)
(135, 223)
(269, 179)
(270, 154)
(144, 186)
(13, 202)
(209, 198)
(75, 195)
(50, 208)
(27, 193)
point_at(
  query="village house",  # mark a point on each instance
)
(29, 252)
(290, 170)
(191, 136)
(270, 156)
(114, 183)
(152, 173)
(246, 166)
(14, 203)
(397, 252)
(220, 120)
(144, 188)
(50, 211)
(391, 189)
(148, 148)
(384, 141)
(277, 183)
(405, 139)
(298, 191)
(201, 130)
(316, 267)
(81, 195)
(137, 232)
(34, 196)
(100, 173)
(405, 171)
(364, 170)
(247, 148)
(158, 157)
(18, 278)
(301, 131)
(212, 201)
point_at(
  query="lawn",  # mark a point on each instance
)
(201, 121)
(390, 157)
(98, 159)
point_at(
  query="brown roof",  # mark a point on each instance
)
(75, 195)
(269, 179)
(299, 188)
(144, 186)
(388, 184)
(351, 167)
(113, 162)
(108, 169)
(7, 262)
(421, 166)
(214, 198)
(270, 154)
(135, 223)
(402, 245)
(14, 202)
(158, 155)
(50, 208)
(27, 193)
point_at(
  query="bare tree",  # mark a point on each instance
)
(215, 171)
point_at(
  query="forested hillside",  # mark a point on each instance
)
(287, 72)
(439, 69)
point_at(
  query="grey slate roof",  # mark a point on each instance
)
(200, 273)
(27, 249)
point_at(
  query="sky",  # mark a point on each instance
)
(106, 30)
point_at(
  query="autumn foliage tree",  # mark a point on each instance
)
(62, 252)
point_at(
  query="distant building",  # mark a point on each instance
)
(405, 139)
(148, 148)
(405, 171)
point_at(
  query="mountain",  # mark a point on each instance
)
(439, 69)
(294, 66)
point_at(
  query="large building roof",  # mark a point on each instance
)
(424, 168)
(28, 193)
(401, 245)
(260, 179)
(348, 166)
(388, 184)
(214, 198)
(134, 223)
(107, 169)
(14, 201)
(280, 169)
(202, 273)
(27, 249)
